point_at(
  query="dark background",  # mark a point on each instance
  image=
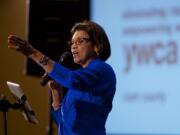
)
(49, 25)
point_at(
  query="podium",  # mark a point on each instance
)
(21, 104)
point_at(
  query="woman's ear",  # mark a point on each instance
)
(96, 49)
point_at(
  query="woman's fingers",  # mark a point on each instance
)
(16, 41)
(53, 85)
(12, 46)
(20, 45)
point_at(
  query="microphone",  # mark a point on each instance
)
(66, 60)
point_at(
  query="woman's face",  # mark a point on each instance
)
(82, 48)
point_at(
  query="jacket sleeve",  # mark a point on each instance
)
(56, 115)
(81, 79)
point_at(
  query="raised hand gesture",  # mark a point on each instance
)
(20, 45)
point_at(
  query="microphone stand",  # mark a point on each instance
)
(50, 126)
(4, 107)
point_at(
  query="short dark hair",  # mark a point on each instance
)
(97, 35)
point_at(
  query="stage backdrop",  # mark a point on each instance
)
(145, 39)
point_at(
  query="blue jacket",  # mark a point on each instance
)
(88, 101)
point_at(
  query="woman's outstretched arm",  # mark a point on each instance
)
(21, 45)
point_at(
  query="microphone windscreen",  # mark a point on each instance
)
(67, 61)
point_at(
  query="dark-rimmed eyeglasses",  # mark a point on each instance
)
(78, 41)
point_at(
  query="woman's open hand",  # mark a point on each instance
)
(14, 42)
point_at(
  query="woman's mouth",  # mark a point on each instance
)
(74, 54)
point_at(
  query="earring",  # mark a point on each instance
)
(96, 50)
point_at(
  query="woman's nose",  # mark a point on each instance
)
(74, 46)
